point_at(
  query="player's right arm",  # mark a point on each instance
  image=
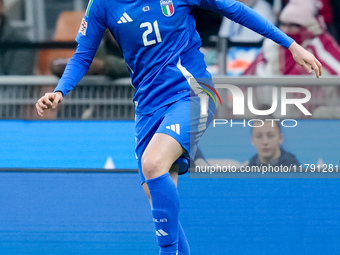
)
(74, 71)
(90, 33)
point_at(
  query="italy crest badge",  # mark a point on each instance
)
(167, 7)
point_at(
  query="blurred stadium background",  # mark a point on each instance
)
(69, 184)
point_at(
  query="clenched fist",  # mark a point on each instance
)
(48, 101)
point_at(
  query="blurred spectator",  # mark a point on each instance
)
(298, 20)
(335, 5)
(236, 32)
(267, 139)
(13, 61)
(207, 25)
(108, 61)
(325, 10)
(239, 58)
(330, 11)
(270, 1)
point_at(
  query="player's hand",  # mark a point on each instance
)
(306, 59)
(48, 101)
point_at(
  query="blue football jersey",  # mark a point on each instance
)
(160, 43)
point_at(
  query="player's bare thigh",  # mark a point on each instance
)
(160, 154)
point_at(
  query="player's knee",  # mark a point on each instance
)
(152, 167)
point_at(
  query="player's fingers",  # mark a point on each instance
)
(47, 100)
(41, 104)
(319, 66)
(57, 99)
(40, 110)
(315, 67)
(316, 70)
(307, 67)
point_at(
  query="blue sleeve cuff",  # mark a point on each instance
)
(75, 69)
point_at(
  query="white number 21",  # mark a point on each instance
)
(149, 30)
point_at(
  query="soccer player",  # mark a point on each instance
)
(161, 49)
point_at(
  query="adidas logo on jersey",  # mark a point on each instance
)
(124, 19)
(174, 128)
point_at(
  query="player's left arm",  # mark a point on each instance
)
(249, 18)
(306, 59)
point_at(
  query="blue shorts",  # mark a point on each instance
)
(181, 120)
